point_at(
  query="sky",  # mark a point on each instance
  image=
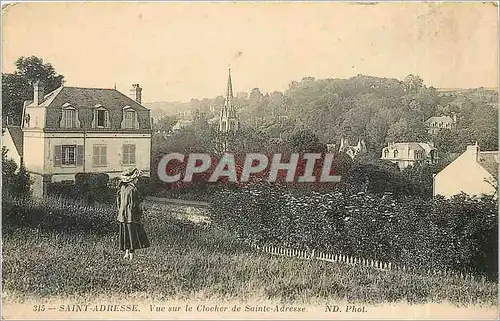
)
(178, 51)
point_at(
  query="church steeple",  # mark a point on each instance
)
(229, 94)
(228, 120)
(228, 103)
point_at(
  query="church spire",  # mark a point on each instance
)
(229, 85)
(229, 121)
(229, 94)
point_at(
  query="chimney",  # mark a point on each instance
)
(473, 150)
(136, 93)
(37, 93)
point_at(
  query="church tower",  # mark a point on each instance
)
(228, 121)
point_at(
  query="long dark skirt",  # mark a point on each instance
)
(133, 236)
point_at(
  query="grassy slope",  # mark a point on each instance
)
(188, 260)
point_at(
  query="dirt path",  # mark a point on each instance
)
(194, 211)
(165, 200)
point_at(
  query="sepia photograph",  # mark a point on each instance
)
(250, 160)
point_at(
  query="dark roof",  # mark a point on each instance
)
(489, 161)
(17, 137)
(85, 100)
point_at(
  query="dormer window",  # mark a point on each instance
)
(129, 118)
(27, 120)
(69, 117)
(101, 117)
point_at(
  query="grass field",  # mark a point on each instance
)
(189, 260)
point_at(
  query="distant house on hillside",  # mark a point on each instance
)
(13, 140)
(352, 150)
(435, 124)
(473, 173)
(181, 123)
(84, 130)
(406, 154)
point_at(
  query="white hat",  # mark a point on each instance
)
(130, 174)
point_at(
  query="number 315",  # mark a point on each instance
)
(39, 308)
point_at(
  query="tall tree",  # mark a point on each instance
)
(18, 86)
(305, 141)
(412, 83)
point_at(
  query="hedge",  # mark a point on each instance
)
(458, 234)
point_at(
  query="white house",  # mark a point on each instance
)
(13, 140)
(406, 154)
(436, 123)
(84, 130)
(352, 150)
(181, 123)
(473, 173)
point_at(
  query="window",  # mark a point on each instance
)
(27, 120)
(386, 153)
(395, 153)
(68, 155)
(69, 117)
(128, 154)
(100, 155)
(101, 117)
(129, 118)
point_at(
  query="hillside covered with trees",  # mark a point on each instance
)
(314, 112)
(380, 110)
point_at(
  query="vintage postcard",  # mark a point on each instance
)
(250, 160)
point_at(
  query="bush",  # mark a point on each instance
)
(89, 187)
(14, 181)
(459, 234)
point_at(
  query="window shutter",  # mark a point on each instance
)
(77, 120)
(122, 123)
(95, 155)
(106, 119)
(57, 155)
(136, 121)
(62, 122)
(104, 155)
(94, 119)
(132, 154)
(123, 155)
(79, 155)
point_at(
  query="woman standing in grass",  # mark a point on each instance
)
(132, 233)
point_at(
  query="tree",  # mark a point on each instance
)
(9, 168)
(17, 87)
(164, 123)
(17, 182)
(305, 141)
(407, 130)
(412, 83)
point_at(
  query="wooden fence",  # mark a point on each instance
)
(351, 260)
